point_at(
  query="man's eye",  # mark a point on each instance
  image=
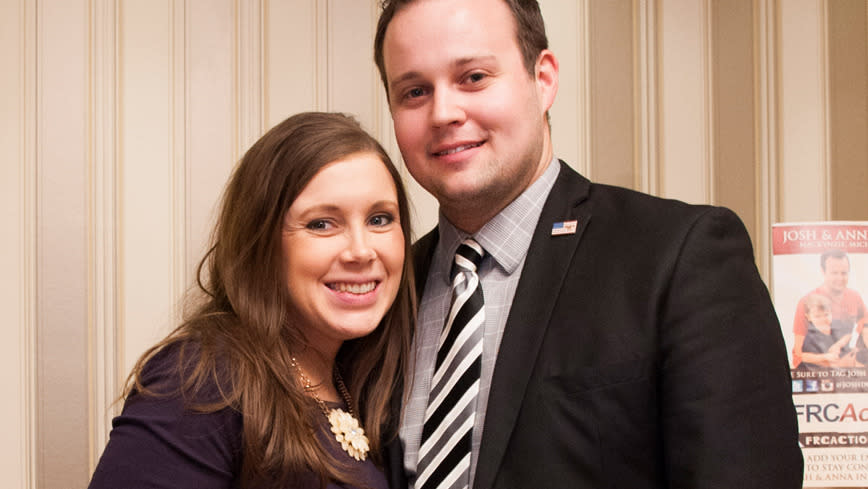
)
(415, 92)
(476, 77)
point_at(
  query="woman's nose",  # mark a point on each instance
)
(359, 248)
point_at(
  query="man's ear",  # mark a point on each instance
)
(546, 76)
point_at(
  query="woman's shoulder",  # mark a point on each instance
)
(163, 437)
(170, 389)
(186, 369)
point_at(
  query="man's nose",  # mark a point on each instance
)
(447, 108)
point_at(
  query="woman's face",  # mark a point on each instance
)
(343, 249)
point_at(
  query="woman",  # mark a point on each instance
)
(283, 374)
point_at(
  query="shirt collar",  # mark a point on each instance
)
(507, 236)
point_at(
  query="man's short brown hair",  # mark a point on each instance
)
(530, 32)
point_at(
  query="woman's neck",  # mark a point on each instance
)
(317, 370)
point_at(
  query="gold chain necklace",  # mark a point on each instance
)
(346, 428)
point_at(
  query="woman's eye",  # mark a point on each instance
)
(382, 220)
(319, 225)
(476, 77)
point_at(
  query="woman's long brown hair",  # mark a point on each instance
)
(240, 333)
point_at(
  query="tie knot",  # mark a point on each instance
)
(468, 256)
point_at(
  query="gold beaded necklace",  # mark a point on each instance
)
(345, 426)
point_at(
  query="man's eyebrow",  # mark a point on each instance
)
(406, 76)
(458, 63)
(487, 58)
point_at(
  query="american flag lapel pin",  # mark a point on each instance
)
(564, 227)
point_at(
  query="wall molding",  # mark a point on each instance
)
(766, 27)
(28, 271)
(584, 140)
(18, 247)
(647, 144)
(250, 72)
(709, 141)
(102, 226)
(179, 88)
(323, 81)
(826, 103)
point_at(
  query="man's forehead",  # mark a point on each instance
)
(472, 15)
(460, 39)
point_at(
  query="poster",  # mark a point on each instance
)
(820, 284)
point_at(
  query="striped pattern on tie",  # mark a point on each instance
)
(444, 456)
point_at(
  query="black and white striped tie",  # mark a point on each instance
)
(444, 455)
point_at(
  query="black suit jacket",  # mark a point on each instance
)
(642, 351)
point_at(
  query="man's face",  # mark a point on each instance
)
(836, 275)
(469, 118)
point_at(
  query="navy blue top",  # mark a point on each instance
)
(157, 443)
(818, 342)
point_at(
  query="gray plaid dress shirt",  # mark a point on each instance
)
(506, 239)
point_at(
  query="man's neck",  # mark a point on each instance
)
(834, 293)
(470, 216)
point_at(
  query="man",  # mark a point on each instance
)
(628, 341)
(846, 304)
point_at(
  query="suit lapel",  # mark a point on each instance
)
(545, 268)
(423, 255)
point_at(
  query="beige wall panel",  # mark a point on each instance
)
(685, 98)
(733, 64)
(147, 180)
(567, 29)
(803, 159)
(17, 277)
(611, 92)
(848, 90)
(423, 207)
(353, 79)
(179, 139)
(290, 58)
(62, 397)
(212, 116)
